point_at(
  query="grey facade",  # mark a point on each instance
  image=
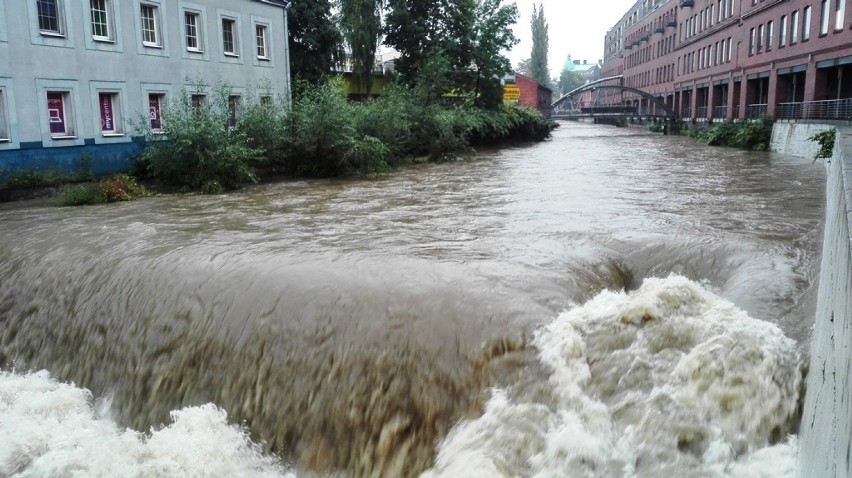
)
(76, 75)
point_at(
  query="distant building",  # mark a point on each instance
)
(532, 94)
(734, 59)
(76, 75)
(586, 71)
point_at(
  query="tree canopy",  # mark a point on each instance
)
(315, 41)
(540, 46)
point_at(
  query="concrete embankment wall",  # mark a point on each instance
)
(825, 438)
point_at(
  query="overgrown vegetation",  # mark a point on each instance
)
(118, 187)
(825, 140)
(320, 135)
(753, 135)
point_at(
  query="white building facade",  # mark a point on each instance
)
(77, 75)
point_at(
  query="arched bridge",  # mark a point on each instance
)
(608, 101)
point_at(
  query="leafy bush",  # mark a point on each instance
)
(198, 150)
(751, 134)
(319, 130)
(825, 139)
(119, 187)
(367, 155)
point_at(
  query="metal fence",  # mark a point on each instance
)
(827, 110)
(702, 112)
(686, 112)
(720, 112)
(756, 111)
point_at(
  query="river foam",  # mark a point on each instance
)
(668, 380)
(51, 429)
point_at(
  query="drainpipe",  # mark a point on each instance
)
(287, 76)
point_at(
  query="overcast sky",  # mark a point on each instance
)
(576, 27)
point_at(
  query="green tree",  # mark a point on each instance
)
(523, 67)
(361, 22)
(315, 42)
(540, 46)
(568, 81)
(416, 30)
(477, 34)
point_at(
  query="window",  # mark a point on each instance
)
(59, 114)
(50, 19)
(233, 110)
(770, 33)
(156, 103)
(751, 41)
(760, 31)
(229, 36)
(794, 27)
(192, 22)
(101, 27)
(823, 18)
(730, 49)
(782, 37)
(4, 126)
(806, 24)
(262, 41)
(110, 114)
(150, 25)
(840, 13)
(196, 101)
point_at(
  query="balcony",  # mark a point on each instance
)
(686, 112)
(720, 112)
(659, 29)
(756, 111)
(818, 110)
(645, 37)
(671, 22)
(702, 112)
(686, 3)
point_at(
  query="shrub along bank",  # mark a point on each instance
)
(754, 135)
(321, 134)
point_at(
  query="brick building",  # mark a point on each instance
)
(735, 59)
(533, 94)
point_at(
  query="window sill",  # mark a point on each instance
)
(51, 34)
(264, 58)
(112, 135)
(5, 140)
(194, 50)
(231, 55)
(62, 138)
(103, 40)
(152, 45)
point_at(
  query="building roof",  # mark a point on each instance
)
(280, 3)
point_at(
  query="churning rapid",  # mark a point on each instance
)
(607, 304)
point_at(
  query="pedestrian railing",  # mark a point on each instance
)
(756, 110)
(827, 109)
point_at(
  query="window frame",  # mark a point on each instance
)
(261, 42)
(66, 115)
(108, 22)
(114, 98)
(782, 32)
(61, 28)
(839, 15)
(198, 26)
(155, 23)
(794, 27)
(5, 128)
(233, 32)
(807, 14)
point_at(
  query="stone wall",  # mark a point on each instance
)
(792, 138)
(825, 442)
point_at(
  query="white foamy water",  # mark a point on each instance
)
(51, 429)
(669, 380)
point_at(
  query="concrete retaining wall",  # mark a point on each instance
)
(825, 441)
(792, 138)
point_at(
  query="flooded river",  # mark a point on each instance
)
(608, 303)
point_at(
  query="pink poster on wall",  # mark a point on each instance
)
(107, 114)
(154, 108)
(56, 113)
